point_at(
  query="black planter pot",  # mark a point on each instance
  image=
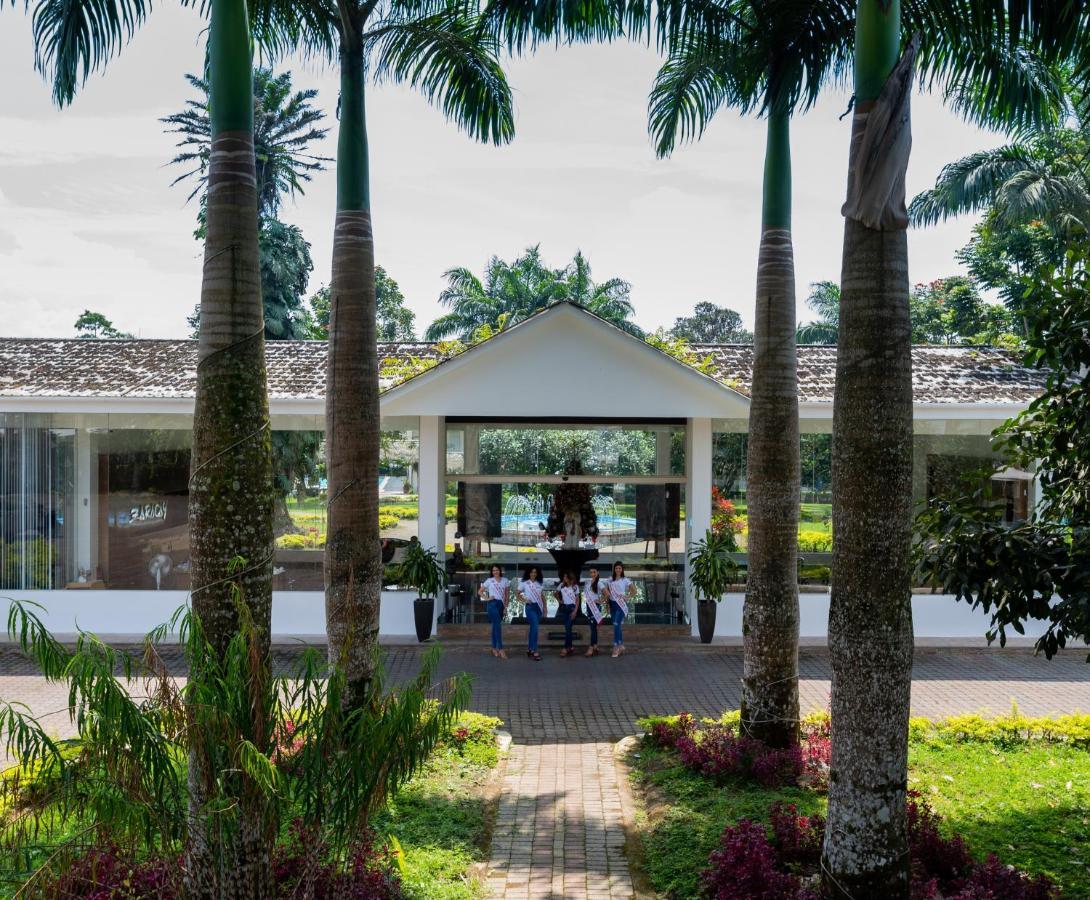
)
(705, 619)
(423, 613)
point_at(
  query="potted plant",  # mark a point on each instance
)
(421, 569)
(712, 571)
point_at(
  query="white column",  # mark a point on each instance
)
(432, 490)
(698, 497)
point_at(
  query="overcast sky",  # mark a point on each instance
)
(88, 219)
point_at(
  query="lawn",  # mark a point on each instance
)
(441, 817)
(1027, 800)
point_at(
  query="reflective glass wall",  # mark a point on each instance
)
(102, 501)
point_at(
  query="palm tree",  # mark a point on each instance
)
(824, 299)
(1044, 176)
(870, 617)
(285, 125)
(440, 49)
(772, 57)
(231, 492)
(515, 291)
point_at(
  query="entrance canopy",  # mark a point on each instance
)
(565, 362)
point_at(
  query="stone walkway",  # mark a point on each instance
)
(560, 829)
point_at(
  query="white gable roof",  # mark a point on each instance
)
(564, 362)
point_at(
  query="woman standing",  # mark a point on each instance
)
(494, 591)
(592, 598)
(532, 595)
(620, 590)
(568, 597)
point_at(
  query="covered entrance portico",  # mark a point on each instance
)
(512, 426)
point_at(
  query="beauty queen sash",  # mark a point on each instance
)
(495, 588)
(591, 599)
(533, 593)
(618, 590)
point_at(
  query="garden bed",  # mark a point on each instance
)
(1015, 787)
(430, 842)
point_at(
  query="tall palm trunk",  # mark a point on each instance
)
(870, 617)
(770, 679)
(353, 571)
(231, 490)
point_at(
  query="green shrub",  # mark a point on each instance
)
(385, 521)
(820, 574)
(815, 542)
(1010, 730)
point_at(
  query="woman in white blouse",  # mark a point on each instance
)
(592, 597)
(568, 609)
(494, 592)
(532, 595)
(620, 590)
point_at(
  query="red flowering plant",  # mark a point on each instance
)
(725, 519)
(751, 863)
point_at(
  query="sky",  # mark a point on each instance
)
(89, 220)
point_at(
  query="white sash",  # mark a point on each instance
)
(617, 591)
(591, 599)
(568, 595)
(533, 592)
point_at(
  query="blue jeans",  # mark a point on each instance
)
(617, 617)
(567, 614)
(533, 616)
(495, 616)
(593, 630)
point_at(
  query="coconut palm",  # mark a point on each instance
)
(439, 48)
(823, 299)
(511, 292)
(870, 617)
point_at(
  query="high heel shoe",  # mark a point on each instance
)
(591, 651)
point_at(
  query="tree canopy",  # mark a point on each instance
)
(395, 320)
(513, 291)
(711, 324)
(96, 325)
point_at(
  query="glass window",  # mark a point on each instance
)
(37, 503)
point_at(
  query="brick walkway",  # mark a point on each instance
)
(560, 828)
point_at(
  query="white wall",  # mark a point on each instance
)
(132, 614)
(933, 616)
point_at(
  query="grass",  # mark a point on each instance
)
(441, 819)
(1028, 802)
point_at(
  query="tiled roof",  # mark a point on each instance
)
(939, 374)
(151, 369)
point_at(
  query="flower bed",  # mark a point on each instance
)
(1015, 787)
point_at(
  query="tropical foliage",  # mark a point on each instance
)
(513, 291)
(286, 124)
(120, 785)
(1040, 569)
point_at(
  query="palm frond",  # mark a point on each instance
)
(969, 184)
(453, 62)
(697, 79)
(73, 38)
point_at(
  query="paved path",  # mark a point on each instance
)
(560, 828)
